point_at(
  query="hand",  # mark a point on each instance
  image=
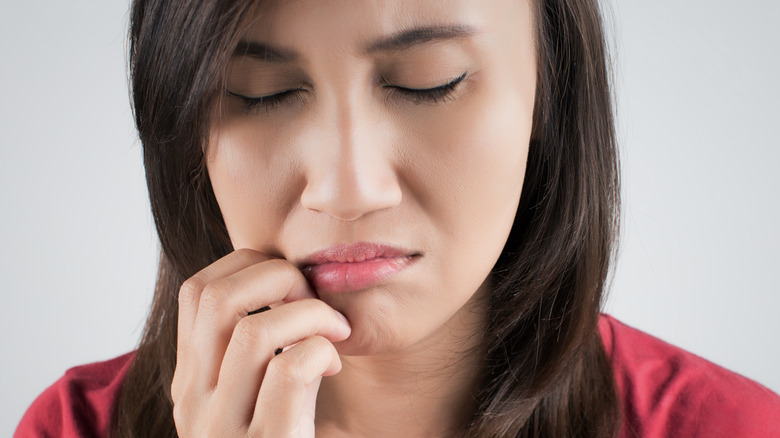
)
(228, 381)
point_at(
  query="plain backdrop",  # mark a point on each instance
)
(697, 88)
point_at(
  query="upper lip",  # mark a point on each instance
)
(354, 253)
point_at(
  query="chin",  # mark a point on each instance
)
(378, 327)
(369, 343)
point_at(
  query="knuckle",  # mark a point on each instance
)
(176, 388)
(179, 416)
(179, 389)
(321, 343)
(215, 294)
(183, 409)
(283, 270)
(286, 370)
(290, 369)
(190, 290)
(252, 333)
(321, 347)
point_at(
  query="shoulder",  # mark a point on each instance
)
(666, 391)
(81, 403)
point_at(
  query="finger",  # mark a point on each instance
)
(191, 290)
(189, 298)
(253, 346)
(280, 405)
(225, 301)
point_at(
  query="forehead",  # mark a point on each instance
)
(350, 26)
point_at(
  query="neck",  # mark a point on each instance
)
(426, 390)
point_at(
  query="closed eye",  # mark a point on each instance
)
(267, 102)
(437, 94)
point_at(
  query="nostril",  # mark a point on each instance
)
(347, 199)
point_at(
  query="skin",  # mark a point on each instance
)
(347, 159)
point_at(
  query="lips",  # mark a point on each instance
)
(350, 268)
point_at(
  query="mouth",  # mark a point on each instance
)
(350, 268)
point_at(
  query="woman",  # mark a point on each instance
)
(417, 201)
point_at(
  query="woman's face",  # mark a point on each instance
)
(397, 123)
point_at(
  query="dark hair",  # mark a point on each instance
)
(545, 373)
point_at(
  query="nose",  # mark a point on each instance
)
(350, 170)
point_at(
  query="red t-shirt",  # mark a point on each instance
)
(80, 404)
(665, 391)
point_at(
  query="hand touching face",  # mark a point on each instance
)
(228, 379)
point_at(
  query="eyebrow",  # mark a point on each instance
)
(264, 52)
(402, 40)
(413, 37)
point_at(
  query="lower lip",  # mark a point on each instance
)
(350, 277)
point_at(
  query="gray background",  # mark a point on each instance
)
(698, 116)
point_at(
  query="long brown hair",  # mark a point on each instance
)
(545, 372)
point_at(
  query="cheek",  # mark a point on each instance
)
(252, 184)
(472, 165)
(480, 155)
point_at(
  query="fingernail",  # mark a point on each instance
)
(343, 318)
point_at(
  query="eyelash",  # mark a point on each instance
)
(433, 95)
(436, 94)
(269, 102)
